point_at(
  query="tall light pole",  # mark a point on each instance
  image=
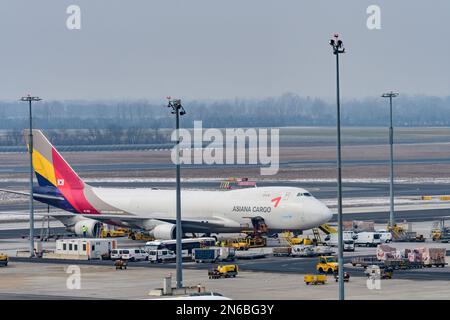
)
(338, 48)
(30, 99)
(391, 95)
(178, 110)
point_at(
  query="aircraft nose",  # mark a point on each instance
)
(324, 214)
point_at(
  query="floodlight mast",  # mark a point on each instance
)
(31, 99)
(338, 48)
(391, 95)
(178, 110)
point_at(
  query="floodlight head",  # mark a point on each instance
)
(332, 42)
(339, 43)
(390, 94)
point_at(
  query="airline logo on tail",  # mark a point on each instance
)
(53, 171)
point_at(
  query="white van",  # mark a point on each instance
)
(332, 239)
(134, 254)
(368, 239)
(349, 245)
(162, 255)
(385, 236)
(116, 254)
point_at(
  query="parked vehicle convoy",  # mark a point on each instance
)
(134, 254)
(3, 260)
(223, 271)
(315, 279)
(368, 239)
(327, 264)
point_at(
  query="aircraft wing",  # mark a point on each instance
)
(35, 195)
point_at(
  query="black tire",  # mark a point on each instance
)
(321, 270)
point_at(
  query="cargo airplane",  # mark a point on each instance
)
(153, 210)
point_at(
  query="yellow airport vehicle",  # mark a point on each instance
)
(327, 229)
(238, 244)
(113, 233)
(140, 236)
(327, 264)
(256, 242)
(440, 231)
(3, 259)
(293, 240)
(315, 279)
(223, 271)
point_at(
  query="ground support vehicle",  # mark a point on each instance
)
(315, 279)
(223, 271)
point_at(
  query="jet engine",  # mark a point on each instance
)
(93, 228)
(164, 231)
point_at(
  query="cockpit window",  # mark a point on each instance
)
(304, 194)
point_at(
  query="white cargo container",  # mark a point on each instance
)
(385, 236)
(84, 248)
(368, 239)
(332, 239)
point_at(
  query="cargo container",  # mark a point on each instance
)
(83, 248)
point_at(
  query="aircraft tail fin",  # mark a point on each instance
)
(49, 166)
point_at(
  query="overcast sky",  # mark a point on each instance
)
(221, 49)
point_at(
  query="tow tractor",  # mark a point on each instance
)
(327, 264)
(223, 271)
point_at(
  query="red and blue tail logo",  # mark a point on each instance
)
(52, 171)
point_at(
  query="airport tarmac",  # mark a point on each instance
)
(104, 282)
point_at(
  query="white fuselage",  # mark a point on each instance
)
(282, 208)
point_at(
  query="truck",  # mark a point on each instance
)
(310, 251)
(368, 239)
(327, 264)
(223, 271)
(348, 237)
(281, 251)
(213, 254)
(399, 263)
